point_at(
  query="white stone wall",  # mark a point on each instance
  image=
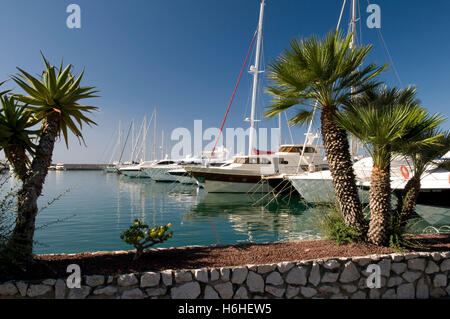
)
(403, 276)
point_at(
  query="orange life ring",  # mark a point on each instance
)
(404, 171)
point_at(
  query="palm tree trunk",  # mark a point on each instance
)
(21, 240)
(380, 206)
(19, 160)
(409, 199)
(341, 168)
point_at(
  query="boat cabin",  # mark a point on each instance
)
(297, 149)
(252, 160)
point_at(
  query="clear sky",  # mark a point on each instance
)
(184, 57)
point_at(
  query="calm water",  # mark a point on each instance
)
(97, 207)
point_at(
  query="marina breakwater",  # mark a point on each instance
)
(402, 276)
(85, 167)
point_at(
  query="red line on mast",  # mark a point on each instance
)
(234, 93)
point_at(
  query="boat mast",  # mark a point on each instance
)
(162, 144)
(354, 140)
(119, 142)
(279, 126)
(132, 142)
(255, 70)
(144, 147)
(154, 135)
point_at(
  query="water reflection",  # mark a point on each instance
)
(266, 220)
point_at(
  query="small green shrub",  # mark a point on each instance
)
(400, 231)
(330, 223)
(141, 236)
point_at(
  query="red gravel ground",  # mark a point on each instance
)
(54, 266)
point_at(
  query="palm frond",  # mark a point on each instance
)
(389, 120)
(58, 91)
(326, 71)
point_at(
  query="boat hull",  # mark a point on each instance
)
(183, 177)
(315, 191)
(133, 173)
(321, 191)
(160, 174)
(228, 181)
(237, 188)
(110, 170)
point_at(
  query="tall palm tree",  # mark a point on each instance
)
(383, 119)
(325, 73)
(422, 158)
(53, 100)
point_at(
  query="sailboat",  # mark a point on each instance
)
(245, 174)
(113, 166)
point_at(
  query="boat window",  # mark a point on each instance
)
(310, 150)
(265, 161)
(254, 160)
(166, 163)
(296, 149)
(290, 149)
(282, 161)
(241, 160)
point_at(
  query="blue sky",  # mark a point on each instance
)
(184, 57)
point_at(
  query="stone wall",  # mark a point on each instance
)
(403, 276)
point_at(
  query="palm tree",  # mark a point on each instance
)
(53, 101)
(383, 119)
(16, 134)
(422, 158)
(325, 73)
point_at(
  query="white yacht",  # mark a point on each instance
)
(134, 170)
(184, 177)
(60, 167)
(158, 170)
(317, 187)
(245, 174)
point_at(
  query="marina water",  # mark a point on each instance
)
(92, 209)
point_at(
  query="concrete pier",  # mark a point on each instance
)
(84, 167)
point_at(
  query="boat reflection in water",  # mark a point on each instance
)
(262, 222)
(148, 197)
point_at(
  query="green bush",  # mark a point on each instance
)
(400, 231)
(330, 224)
(141, 236)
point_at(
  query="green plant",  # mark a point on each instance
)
(382, 119)
(16, 134)
(141, 236)
(400, 233)
(331, 225)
